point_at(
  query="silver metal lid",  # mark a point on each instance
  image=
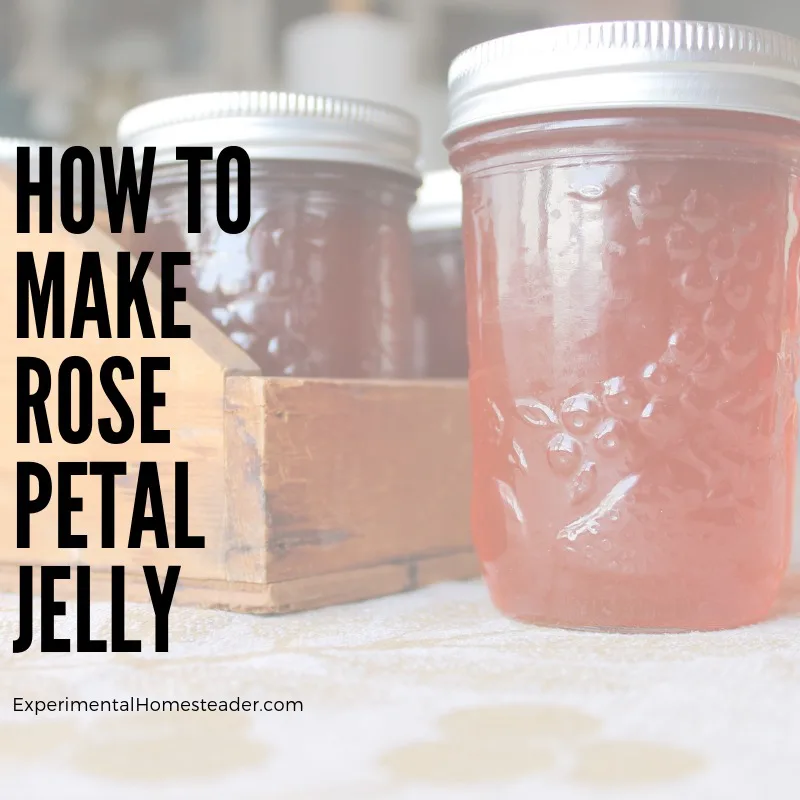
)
(626, 65)
(439, 202)
(277, 125)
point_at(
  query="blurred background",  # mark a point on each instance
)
(69, 68)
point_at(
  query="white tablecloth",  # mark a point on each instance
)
(426, 695)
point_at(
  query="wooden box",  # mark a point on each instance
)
(308, 492)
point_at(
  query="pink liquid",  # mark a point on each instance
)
(632, 293)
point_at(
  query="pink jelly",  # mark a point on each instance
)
(632, 308)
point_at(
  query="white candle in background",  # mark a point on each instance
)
(431, 109)
(354, 55)
(599, 10)
(238, 36)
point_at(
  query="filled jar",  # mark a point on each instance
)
(631, 235)
(319, 284)
(441, 329)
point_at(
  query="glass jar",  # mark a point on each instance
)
(630, 225)
(319, 285)
(441, 328)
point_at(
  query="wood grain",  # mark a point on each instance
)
(308, 492)
(360, 473)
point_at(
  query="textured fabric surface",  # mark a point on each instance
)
(426, 695)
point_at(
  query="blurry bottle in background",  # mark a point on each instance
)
(355, 54)
(431, 109)
(439, 289)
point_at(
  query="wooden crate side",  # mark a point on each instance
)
(246, 518)
(360, 473)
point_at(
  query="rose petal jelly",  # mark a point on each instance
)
(632, 266)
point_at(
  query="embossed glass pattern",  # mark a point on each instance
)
(632, 309)
(320, 284)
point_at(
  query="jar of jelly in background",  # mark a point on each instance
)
(441, 330)
(630, 227)
(319, 285)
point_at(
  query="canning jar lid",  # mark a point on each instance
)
(277, 125)
(439, 202)
(626, 65)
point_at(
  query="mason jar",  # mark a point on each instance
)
(631, 237)
(319, 284)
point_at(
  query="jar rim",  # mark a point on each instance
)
(625, 65)
(277, 126)
(439, 202)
